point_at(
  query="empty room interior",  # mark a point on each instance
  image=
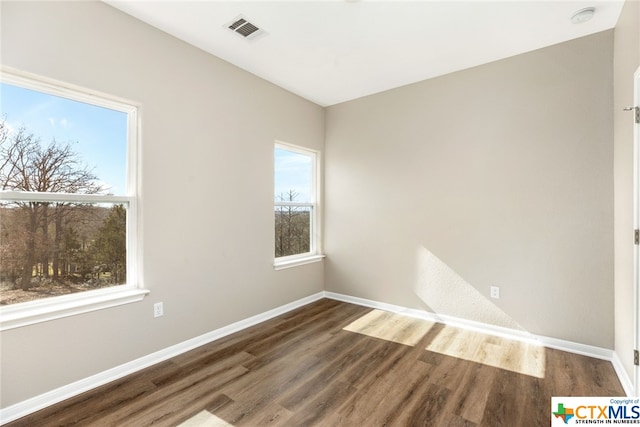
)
(333, 213)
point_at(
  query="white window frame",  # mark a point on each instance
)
(28, 313)
(315, 244)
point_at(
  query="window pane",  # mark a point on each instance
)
(69, 146)
(293, 230)
(293, 176)
(49, 249)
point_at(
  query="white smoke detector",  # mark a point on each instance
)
(583, 15)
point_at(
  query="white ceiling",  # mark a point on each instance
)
(331, 51)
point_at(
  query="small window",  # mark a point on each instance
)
(296, 204)
(67, 195)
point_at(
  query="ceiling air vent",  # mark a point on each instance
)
(242, 27)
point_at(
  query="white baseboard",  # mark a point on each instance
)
(514, 334)
(625, 380)
(435, 317)
(52, 397)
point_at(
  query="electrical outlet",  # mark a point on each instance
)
(158, 309)
(495, 292)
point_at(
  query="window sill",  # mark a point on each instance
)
(53, 308)
(283, 263)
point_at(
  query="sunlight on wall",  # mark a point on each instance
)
(205, 419)
(391, 327)
(515, 356)
(445, 292)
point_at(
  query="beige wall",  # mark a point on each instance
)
(626, 62)
(497, 175)
(208, 134)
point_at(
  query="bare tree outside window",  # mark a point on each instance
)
(293, 227)
(295, 195)
(51, 248)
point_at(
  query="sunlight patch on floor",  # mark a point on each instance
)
(391, 327)
(205, 419)
(516, 356)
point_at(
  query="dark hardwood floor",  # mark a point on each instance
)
(336, 364)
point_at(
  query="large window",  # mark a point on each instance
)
(296, 205)
(67, 200)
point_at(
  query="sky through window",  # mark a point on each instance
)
(293, 171)
(97, 134)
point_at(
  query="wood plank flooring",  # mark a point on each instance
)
(336, 364)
